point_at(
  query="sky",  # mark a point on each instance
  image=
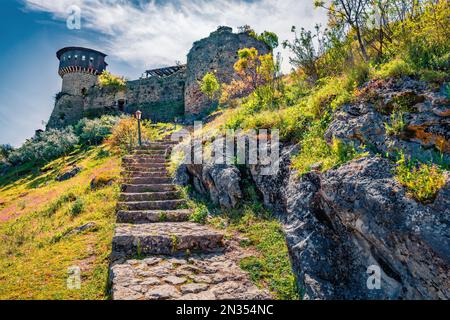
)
(136, 35)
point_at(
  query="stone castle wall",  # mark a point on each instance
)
(160, 98)
(218, 54)
(74, 83)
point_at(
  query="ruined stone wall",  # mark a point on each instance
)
(75, 83)
(217, 53)
(159, 99)
(67, 111)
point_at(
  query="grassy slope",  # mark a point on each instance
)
(35, 247)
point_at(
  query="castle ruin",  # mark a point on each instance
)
(161, 94)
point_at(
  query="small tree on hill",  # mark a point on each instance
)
(210, 85)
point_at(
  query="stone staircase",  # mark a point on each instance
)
(156, 252)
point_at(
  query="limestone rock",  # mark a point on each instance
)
(346, 220)
(68, 174)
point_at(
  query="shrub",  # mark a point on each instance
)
(210, 85)
(398, 124)
(45, 147)
(125, 134)
(423, 181)
(394, 68)
(316, 152)
(108, 80)
(76, 208)
(200, 214)
(93, 132)
(433, 75)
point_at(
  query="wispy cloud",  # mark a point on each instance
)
(155, 33)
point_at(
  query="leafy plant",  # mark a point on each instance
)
(423, 181)
(108, 80)
(397, 125)
(209, 85)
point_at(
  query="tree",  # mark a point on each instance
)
(108, 80)
(269, 38)
(306, 55)
(209, 85)
(255, 74)
(352, 13)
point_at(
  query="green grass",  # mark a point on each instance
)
(422, 181)
(39, 245)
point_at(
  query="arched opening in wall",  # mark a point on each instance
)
(121, 105)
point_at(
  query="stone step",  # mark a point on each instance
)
(147, 180)
(150, 152)
(144, 166)
(152, 216)
(151, 159)
(136, 188)
(209, 276)
(149, 196)
(152, 205)
(164, 238)
(151, 174)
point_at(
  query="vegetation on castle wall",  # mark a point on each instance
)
(108, 80)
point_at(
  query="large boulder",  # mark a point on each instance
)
(345, 222)
(425, 113)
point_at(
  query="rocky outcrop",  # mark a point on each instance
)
(355, 227)
(68, 174)
(341, 223)
(426, 118)
(219, 182)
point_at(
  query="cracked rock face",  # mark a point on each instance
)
(199, 277)
(346, 220)
(425, 113)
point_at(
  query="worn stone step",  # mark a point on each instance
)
(147, 180)
(211, 276)
(152, 151)
(154, 174)
(152, 216)
(164, 238)
(152, 205)
(149, 196)
(135, 188)
(156, 159)
(144, 166)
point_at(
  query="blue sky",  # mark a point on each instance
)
(136, 35)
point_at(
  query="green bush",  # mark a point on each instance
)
(45, 147)
(77, 208)
(94, 131)
(316, 151)
(200, 214)
(423, 181)
(397, 125)
(394, 68)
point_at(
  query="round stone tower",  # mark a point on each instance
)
(218, 53)
(79, 69)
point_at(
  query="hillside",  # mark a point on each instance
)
(331, 182)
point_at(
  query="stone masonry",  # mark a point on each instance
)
(157, 253)
(161, 94)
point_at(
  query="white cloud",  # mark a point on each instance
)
(150, 34)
